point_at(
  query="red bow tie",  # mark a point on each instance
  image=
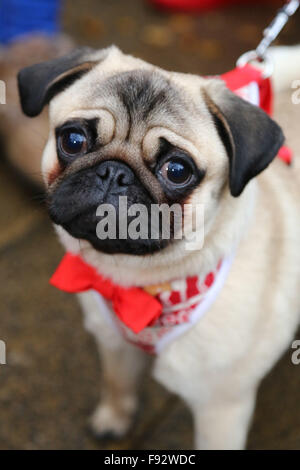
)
(135, 307)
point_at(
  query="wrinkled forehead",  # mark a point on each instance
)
(133, 93)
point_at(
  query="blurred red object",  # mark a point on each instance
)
(196, 5)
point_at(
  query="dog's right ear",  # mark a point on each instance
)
(252, 139)
(39, 83)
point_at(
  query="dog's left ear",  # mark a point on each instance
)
(39, 83)
(251, 138)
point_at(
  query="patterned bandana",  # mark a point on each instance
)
(148, 317)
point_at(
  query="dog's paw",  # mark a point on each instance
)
(112, 422)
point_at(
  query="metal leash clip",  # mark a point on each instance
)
(259, 55)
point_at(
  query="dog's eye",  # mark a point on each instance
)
(72, 142)
(177, 171)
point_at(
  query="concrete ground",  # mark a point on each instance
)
(51, 381)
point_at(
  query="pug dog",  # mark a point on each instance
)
(119, 125)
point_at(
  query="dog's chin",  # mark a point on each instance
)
(83, 227)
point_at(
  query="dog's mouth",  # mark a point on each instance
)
(114, 219)
(85, 226)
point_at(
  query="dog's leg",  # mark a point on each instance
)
(221, 403)
(223, 423)
(121, 367)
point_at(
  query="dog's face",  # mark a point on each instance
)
(122, 127)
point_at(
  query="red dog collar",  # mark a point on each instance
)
(74, 275)
(136, 307)
(151, 316)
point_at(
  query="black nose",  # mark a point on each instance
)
(115, 176)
